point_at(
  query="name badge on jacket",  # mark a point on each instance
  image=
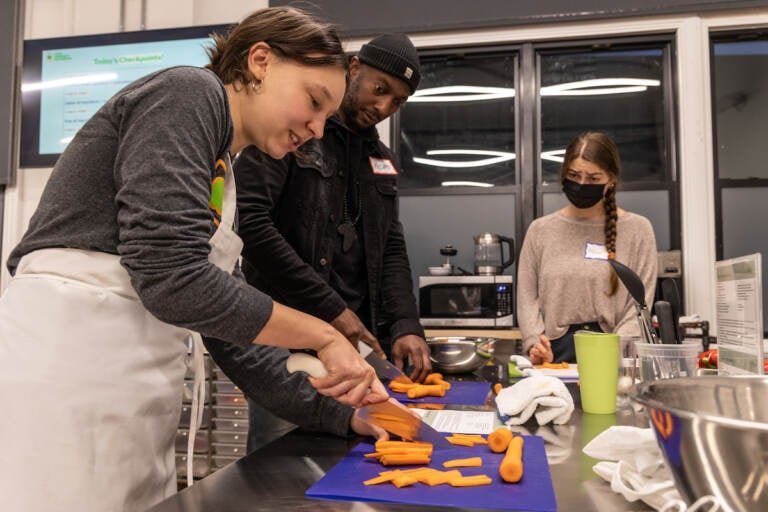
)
(382, 166)
(595, 252)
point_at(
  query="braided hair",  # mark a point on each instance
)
(599, 149)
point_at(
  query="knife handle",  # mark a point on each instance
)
(666, 321)
(302, 362)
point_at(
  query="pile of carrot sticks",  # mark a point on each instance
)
(402, 453)
(434, 385)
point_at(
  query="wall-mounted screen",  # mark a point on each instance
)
(66, 80)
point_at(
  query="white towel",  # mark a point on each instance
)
(633, 464)
(547, 397)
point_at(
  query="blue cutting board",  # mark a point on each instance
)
(534, 492)
(461, 393)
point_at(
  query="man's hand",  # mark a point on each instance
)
(415, 347)
(542, 351)
(348, 324)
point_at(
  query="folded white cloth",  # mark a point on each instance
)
(633, 464)
(545, 396)
(520, 361)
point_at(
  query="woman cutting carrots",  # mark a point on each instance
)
(133, 248)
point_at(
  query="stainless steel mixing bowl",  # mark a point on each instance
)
(713, 432)
(456, 354)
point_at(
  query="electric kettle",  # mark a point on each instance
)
(489, 253)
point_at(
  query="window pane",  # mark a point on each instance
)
(741, 108)
(615, 91)
(742, 233)
(459, 127)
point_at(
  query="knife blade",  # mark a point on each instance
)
(384, 369)
(377, 414)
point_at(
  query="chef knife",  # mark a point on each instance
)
(384, 369)
(380, 414)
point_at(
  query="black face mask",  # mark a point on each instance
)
(583, 196)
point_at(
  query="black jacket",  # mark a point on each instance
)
(289, 213)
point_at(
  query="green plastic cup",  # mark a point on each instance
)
(597, 357)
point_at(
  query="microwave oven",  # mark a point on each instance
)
(466, 301)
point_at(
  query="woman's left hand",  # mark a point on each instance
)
(363, 428)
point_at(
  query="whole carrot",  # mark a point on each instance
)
(499, 439)
(511, 468)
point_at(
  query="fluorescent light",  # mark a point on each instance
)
(496, 157)
(593, 87)
(465, 184)
(556, 155)
(72, 80)
(599, 86)
(454, 93)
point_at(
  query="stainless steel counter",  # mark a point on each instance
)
(276, 476)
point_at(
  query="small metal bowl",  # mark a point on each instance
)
(713, 432)
(456, 354)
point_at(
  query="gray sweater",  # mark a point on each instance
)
(136, 181)
(559, 284)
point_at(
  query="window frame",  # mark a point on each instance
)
(727, 36)
(528, 189)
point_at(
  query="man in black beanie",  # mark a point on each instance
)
(321, 228)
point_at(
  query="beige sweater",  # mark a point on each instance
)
(563, 276)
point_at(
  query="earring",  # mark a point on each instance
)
(256, 85)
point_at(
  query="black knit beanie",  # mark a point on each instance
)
(394, 54)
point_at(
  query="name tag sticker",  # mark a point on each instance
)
(595, 252)
(382, 165)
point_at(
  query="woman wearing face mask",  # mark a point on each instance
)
(564, 283)
(133, 248)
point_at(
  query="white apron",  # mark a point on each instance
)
(91, 383)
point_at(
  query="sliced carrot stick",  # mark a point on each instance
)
(460, 442)
(434, 378)
(438, 407)
(403, 379)
(405, 449)
(472, 462)
(405, 459)
(555, 366)
(475, 438)
(511, 467)
(440, 477)
(379, 479)
(470, 481)
(426, 390)
(389, 443)
(499, 439)
(497, 387)
(404, 481)
(400, 388)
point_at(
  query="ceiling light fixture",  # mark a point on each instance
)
(72, 80)
(599, 86)
(466, 184)
(496, 157)
(593, 87)
(555, 155)
(454, 93)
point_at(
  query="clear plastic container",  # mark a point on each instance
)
(667, 361)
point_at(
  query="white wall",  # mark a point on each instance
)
(50, 18)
